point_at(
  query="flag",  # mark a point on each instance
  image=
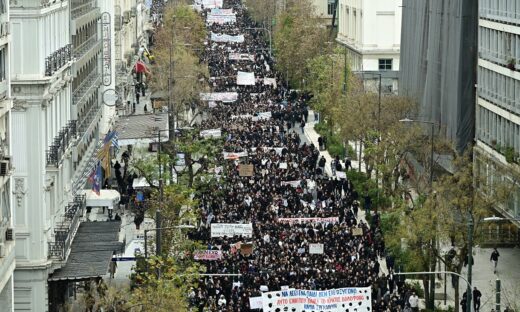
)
(96, 185)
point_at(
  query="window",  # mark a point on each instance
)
(330, 6)
(385, 64)
(3, 52)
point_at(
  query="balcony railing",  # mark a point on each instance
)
(64, 232)
(508, 16)
(79, 8)
(86, 120)
(58, 59)
(60, 144)
(85, 46)
(92, 81)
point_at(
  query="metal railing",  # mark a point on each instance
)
(58, 59)
(61, 142)
(85, 46)
(92, 81)
(507, 16)
(87, 118)
(64, 233)
(79, 9)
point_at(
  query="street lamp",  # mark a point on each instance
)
(270, 37)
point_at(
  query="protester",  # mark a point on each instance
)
(494, 259)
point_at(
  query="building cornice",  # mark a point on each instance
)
(36, 12)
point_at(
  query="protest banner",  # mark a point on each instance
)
(210, 4)
(207, 255)
(219, 96)
(292, 183)
(246, 170)
(332, 300)
(214, 133)
(245, 78)
(231, 229)
(316, 249)
(264, 115)
(241, 57)
(357, 231)
(308, 220)
(255, 302)
(220, 19)
(218, 11)
(234, 156)
(226, 38)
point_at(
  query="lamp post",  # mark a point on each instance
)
(270, 38)
(432, 278)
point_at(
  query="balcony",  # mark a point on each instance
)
(501, 16)
(82, 13)
(58, 59)
(86, 88)
(60, 144)
(86, 51)
(65, 230)
(88, 119)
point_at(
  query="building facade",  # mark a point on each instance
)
(325, 10)
(55, 85)
(7, 251)
(370, 31)
(438, 64)
(498, 97)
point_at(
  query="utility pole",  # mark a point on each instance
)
(161, 193)
(345, 68)
(470, 264)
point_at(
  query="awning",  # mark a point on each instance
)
(106, 198)
(133, 129)
(91, 251)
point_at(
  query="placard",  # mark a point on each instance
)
(357, 231)
(332, 300)
(245, 78)
(207, 255)
(341, 175)
(246, 170)
(234, 156)
(283, 165)
(255, 302)
(270, 81)
(231, 229)
(316, 249)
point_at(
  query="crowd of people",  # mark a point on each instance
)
(288, 198)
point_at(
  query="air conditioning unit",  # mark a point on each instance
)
(9, 234)
(5, 167)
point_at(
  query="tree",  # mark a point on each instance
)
(179, 45)
(298, 38)
(443, 217)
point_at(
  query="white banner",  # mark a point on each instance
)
(210, 4)
(226, 38)
(270, 81)
(341, 174)
(316, 249)
(217, 11)
(264, 115)
(243, 57)
(214, 133)
(231, 229)
(228, 155)
(221, 19)
(245, 78)
(219, 96)
(332, 300)
(308, 220)
(255, 302)
(292, 183)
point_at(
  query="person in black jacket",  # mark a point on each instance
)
(494, 259)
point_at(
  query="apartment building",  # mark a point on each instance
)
(325, 10)
(438, 64)
(498, 97)
(370, 32)
(7, 186)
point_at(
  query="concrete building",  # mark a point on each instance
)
(498, 97)
(370, 31)
(325, 10)
(438, 64)
(7, 251)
